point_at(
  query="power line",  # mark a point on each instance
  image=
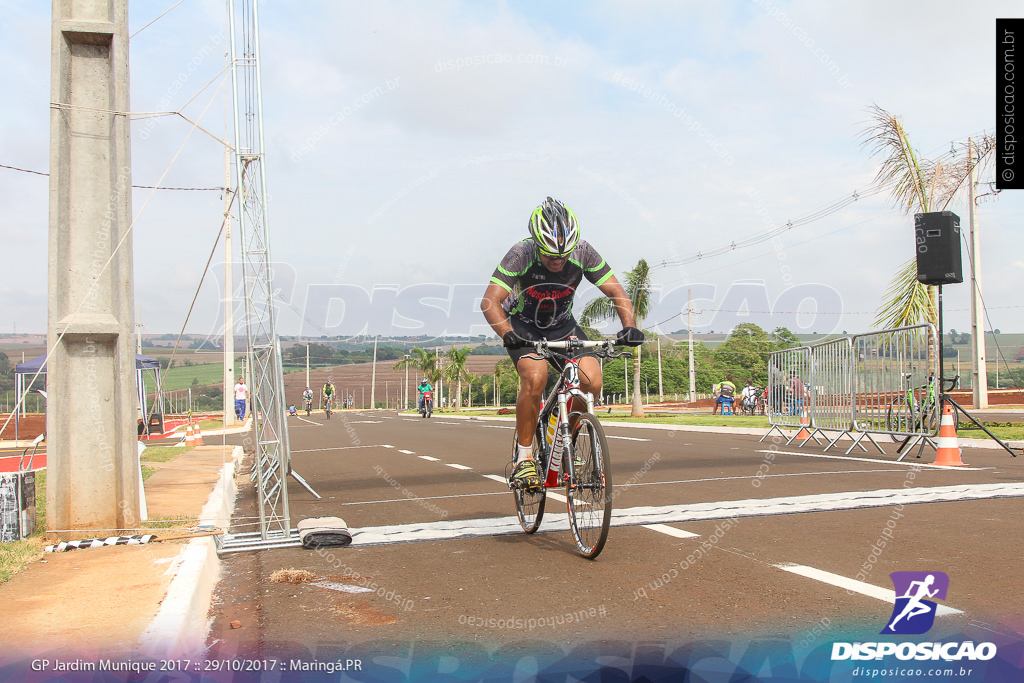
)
(140, 187)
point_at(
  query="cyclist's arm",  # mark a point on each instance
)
(612, 289)
(494, 314)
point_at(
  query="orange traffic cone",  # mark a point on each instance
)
(190, 439)
(948, 449)
(198, 435)
(804, 423)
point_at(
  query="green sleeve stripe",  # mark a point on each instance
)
(604, 279)
(499, 282)
(599, 266)
(510, 273)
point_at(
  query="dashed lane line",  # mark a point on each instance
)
(670, 530)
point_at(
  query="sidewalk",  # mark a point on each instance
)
(129, 602)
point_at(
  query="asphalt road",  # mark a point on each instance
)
(718, 538)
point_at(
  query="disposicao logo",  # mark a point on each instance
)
(913, 613)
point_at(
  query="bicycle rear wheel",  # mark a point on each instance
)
(589, 491)
(529, 504)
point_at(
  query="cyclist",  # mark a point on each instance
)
(422, 388)
(328, 393)
(530, 297)
(307, 398)
(726, 396)
(750, 396)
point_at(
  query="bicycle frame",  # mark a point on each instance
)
(567, 387)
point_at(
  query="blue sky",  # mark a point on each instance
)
(408, 142)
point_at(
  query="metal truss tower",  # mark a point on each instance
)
(272, 460)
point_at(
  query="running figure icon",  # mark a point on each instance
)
(913, 612)
(914, 607)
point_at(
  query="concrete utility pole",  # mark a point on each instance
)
(373, 376)
(93, 468)
(229, 300)
(979, 373)
(689, 330)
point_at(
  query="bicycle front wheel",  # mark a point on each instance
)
(589, 491)
(529, 504)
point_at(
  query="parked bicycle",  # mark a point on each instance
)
(916, 409)
(565, 438)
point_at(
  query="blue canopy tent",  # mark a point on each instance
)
(142, 363)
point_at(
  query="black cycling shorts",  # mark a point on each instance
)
(535, 334)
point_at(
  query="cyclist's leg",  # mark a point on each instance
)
(591, 382)
(534, 376)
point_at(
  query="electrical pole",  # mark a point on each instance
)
(689, 329)
(979, 371)
(373, 376)
(229, 301)
(661, 388)
(93, 468)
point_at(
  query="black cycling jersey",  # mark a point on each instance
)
(540, 299)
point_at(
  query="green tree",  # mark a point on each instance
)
(745, 353)
(638, 288)
(455, 371)
(783, 339)
(918, 185)
(502, 369)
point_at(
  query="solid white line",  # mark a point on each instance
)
(906, 463)
(883, 594)
(457, 466)
(475, 528)
(318, 424)
(625, 438)
(670, 530)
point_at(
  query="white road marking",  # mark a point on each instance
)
(402, 450)
(457, 466)
(497, 478)
(883, 594)
(340, 448)
(625, 438)
(427, 457)
(904, 463)
(318, 424)
(638, 516)
(670, 530)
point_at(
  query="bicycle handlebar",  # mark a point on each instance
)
(604, 347)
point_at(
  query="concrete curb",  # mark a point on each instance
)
(180, 626)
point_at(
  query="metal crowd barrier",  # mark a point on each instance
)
(831, 402)
(895, 384)
(879, 383)
(787, 390)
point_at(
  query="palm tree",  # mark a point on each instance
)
(501, 368)
(422, 360)
(455, 371)
(638, 289)
(919, 185)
